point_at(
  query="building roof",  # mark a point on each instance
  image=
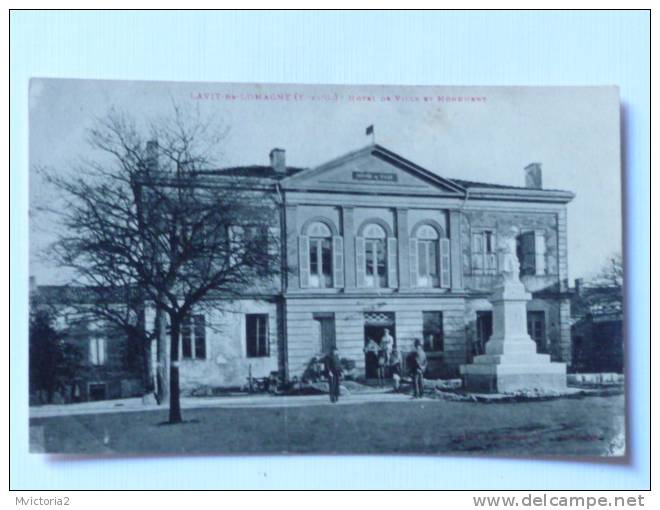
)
(75, 294)
(490, 185)
(253, 171)
(261, 173)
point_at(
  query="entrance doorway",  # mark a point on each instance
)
(484, 331)
(97, 391)
(375, 324)
(326, 331)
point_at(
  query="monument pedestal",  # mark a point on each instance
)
(511, 362)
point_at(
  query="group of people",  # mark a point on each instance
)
(386, 357)
(389, 365)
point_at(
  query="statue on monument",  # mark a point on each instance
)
(511, 362)
(509, 263)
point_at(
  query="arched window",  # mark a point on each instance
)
(375, 256)
(429, 256)
(320, 255)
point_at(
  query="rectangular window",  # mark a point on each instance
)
(433, 331)
(376, 263)
(251, 244)
(433, 262)
(314, 257)
(97, 351)
(423, 260)
(536, 329)
(256, 335)
(530, 249)
(186, 338)
(199, 331)
(324, 329)
(427, 263)
(320, 262)
(381, 261)
(488, 238)
(484, 259)
(259, 245)
(370, 249)
(193, 337)
(326, 261)
(526, 253)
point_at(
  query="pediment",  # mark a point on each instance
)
(373, 169)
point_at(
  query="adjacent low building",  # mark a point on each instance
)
(106, 362)
(597, 329)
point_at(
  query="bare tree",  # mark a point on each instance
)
(150, 219)
(605, 289)
(611, 274)
(53, 362)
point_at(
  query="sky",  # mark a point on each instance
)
(476, 133)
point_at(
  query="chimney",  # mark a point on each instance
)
(152, 155)
(533, 176)
(579, 284)
(33, 283)
(278, 161)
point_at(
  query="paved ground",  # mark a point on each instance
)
(242, 401)
(375, 423)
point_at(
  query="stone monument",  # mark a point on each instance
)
(511, 362)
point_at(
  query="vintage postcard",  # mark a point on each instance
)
(270, 268)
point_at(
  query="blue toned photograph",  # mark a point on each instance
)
(325, 269)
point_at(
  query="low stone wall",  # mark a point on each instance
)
(598, 378)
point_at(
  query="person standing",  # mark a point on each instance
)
(395, 368)
(419, 362)
(333, 371)
(387, 344)
(371, 357)
(382, 363)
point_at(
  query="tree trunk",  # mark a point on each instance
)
(162, 356)
(175, 404)
(146, 369)
(145, 353)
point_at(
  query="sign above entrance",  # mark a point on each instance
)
(374, 176)
(379, 318)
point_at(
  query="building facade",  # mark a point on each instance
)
(105, 362)
(371, 241)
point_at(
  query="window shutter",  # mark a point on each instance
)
(413, 262)
(303, 256)
(528, 262)
(102, 351)
(477, 252)
(445, 265)
(360, 262)
(273, 238)
(491, 263)
(93, 353)
(338, 265)
(539, 249)
(491, 258)
(392, 265)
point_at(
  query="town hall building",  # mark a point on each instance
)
(371, 241)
